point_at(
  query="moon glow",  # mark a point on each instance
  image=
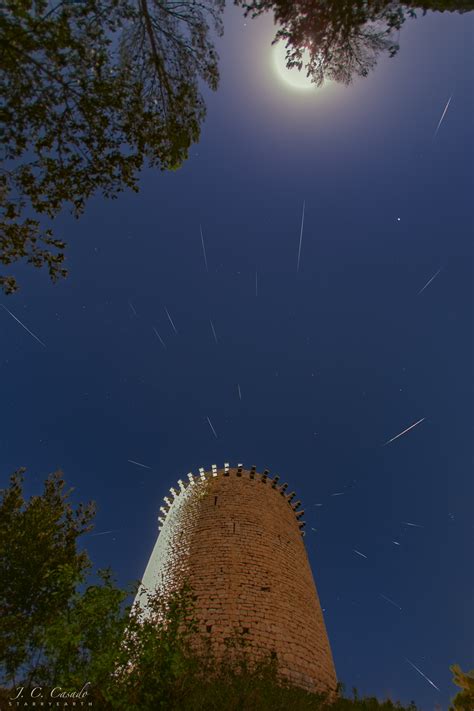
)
(292, 77)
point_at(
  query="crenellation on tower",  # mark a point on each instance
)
(203, 476)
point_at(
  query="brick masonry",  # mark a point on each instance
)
(237, 537)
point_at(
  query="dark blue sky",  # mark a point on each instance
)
(332, 361)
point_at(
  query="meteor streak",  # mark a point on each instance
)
(23, 326)
(390, 601)
(212, 428)
(359, 553)
(138, 464)
(240, 393)
(442, 117)
(171, 320)
(213, 330)
(423, 675)
(404, 431)
(159, 337)
(429, 281)
(203, 248)
(301, 239)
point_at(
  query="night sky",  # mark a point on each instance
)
(332, 360)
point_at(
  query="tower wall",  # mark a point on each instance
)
(237, 538)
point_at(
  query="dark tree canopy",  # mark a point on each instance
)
(91, 91)
(341, 39)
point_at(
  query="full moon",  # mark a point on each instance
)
(295, 78)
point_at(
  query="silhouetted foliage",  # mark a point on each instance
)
(238, 684)
(464, 699)
(342, 39)
(91, 90)
(40, 567)
(59, 628)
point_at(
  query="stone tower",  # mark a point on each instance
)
(236, 535)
